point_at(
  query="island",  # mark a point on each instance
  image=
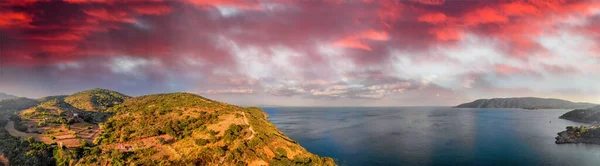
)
(588, 115)
(104, 127)
(525, 103)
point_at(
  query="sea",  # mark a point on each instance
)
(364, 136)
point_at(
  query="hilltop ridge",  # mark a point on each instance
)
(4, 96)
(95, 99)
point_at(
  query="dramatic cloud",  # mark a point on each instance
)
(284, 52)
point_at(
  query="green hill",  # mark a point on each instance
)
(183, 128)
(48, 98)
(95, 100)
(162, 129)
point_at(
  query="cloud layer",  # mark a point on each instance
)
(283, 52)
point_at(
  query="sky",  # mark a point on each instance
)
(304, 52)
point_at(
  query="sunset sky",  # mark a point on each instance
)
(305, 53)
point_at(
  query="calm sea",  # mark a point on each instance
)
(432, 136)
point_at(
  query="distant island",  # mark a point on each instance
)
(4, 96)
(525, 103)
(589, 115)
(104, 127)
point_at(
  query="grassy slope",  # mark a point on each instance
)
(95, 100)
(195, 130)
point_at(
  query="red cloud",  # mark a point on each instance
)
(105, 15)
(389, 12)
(55, 37)
(484, 16)
(14, 19)
(58, 48)
(430, 2)
(357, 41)
(51, 33)
(508, 70)
(503, 69)
(152, 10)
(20, 2)
(248, 4)
(433, 18)
(519, 9)
(447, 33)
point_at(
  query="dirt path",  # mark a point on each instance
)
(4, 160)
(251, 136)
(68, 140)
(10, 127)
(246, 122)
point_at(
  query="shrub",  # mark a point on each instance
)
(281, 152)
(30, 140)
(201, 142)
(213, 133)
(233, 132)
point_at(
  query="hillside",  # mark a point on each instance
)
(48, 98)
(13, 149)
(95, 100)
(589, 115)
(525, 103)
(162, 129)
(16, 104)
(182, 128)
(4, 96)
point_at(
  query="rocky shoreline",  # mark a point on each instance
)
(576, 135)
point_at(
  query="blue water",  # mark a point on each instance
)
(433, 136)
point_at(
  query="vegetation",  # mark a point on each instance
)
(10, 106)
(96, 100)
(48, 98)
(590, 115)
(24, 152)
(162, 129)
